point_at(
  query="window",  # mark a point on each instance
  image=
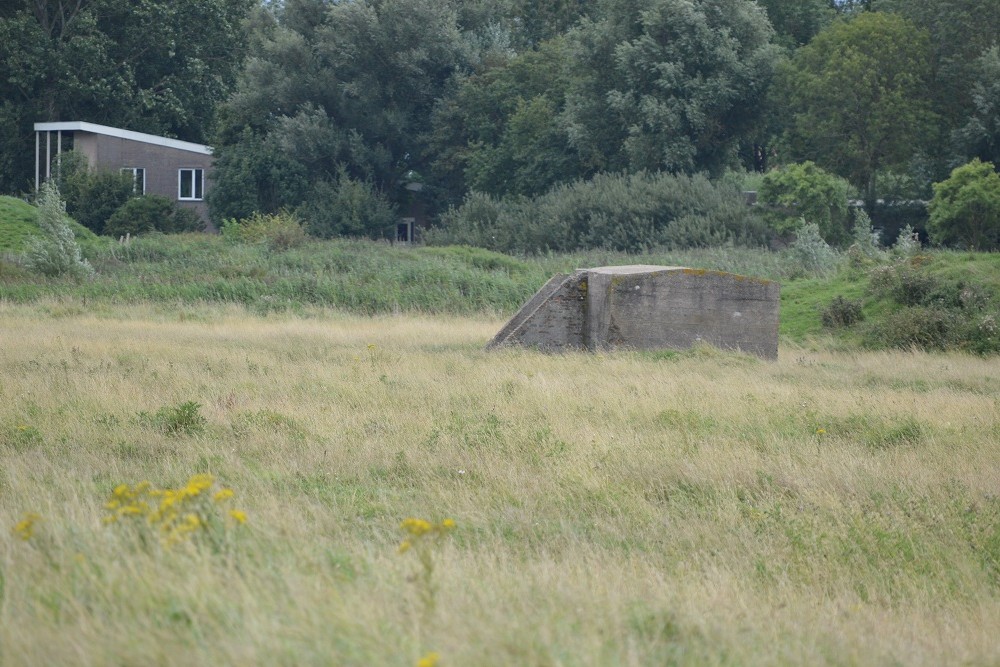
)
(138, 179)
(191, 184)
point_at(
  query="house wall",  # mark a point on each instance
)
(161, 163)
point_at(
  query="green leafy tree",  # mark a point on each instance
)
(797, 21)
(669, 84)
(856, 97)
(353, 91)
(980, 136)
(960, 32)
(807, 192)
(965, 210)
(500, 131)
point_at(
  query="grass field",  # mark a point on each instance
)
(616, 509)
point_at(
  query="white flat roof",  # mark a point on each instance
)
(80, 126)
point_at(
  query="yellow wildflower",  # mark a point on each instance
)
(448, 524)
(25, 528)
(415, 527)
(223, 494)
(240, 517)
(429, 660)
(404, 546)
(820, 431)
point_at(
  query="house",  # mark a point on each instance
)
(178, 170)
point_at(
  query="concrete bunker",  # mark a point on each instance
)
(648, 308)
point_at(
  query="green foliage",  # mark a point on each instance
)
(962, 35)
(55, 252)
(354, 91)
(668, 84)
(856, 96)
(500, 131)
(907, 243)
(182, 419)
(615, 212)
(348, 207)
(842, 312)
(797, 21)
(280, 231)
(92, 197)
(812, 251)
(151, 213)
(865, 248)
(252, 175)
(18, 224)
(805, 191)
(980, 136)
(965, 210)
(933, 311)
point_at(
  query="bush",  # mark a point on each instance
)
(842, 312)
(813, 253)
(804, 191)
(348, 207)
(152, 213)
(280, 231)
(965, 210)
(918, 326)
(628, 213)
(55, 252)
(92, 197)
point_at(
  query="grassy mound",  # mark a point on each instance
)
(17, 225)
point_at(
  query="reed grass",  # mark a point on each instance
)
(626, 508)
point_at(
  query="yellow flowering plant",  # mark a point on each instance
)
(422, 538)
(25, 528)
(196, 510)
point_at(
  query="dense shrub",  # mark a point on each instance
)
(841, 312)
(152, 213)
(92, 197)
(628, 213)
(932, 312)
(347, 207)
(804, 191)
(919, 326)
(280, 231)
(965, 210)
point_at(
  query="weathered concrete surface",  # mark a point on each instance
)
(649, 307)
(553, 319)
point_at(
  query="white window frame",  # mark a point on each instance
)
(134, 171)
(196, 181)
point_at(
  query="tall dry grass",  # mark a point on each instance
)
(626, 508)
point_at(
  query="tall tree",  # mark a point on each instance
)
(961, 31)
(979, 137)
(347, 98)
(856, 97)
(798, 21)
(669, 85)
(500, 132)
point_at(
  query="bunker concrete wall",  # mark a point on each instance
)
(553, 319)
(676, 308)
(648, 307)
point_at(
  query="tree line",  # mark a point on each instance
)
(352, 113)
